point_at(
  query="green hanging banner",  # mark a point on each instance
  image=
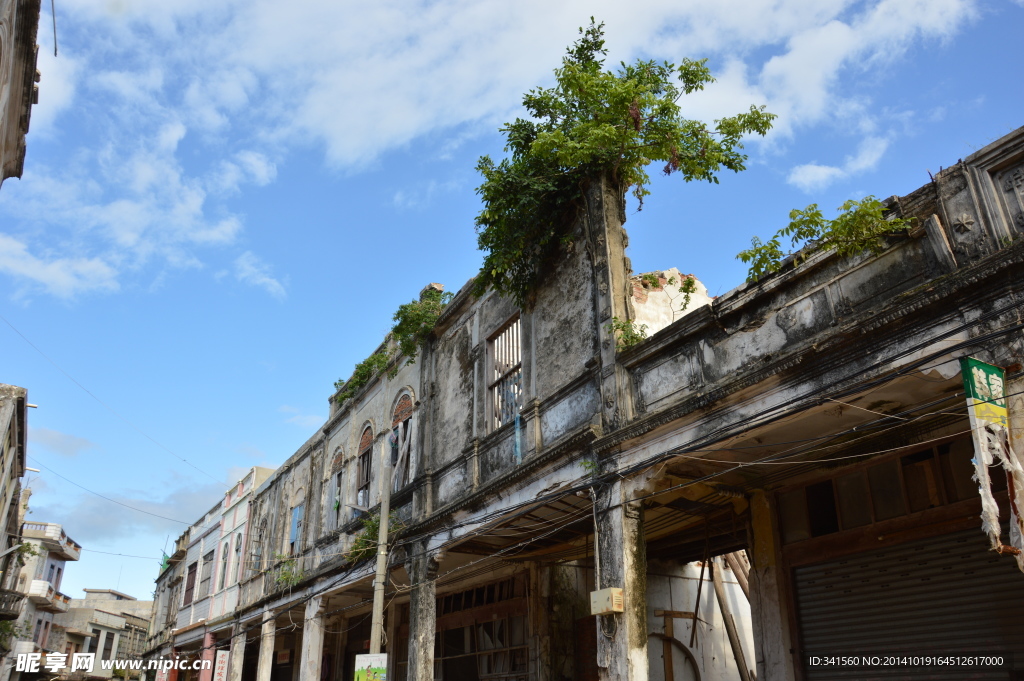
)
(984, 385)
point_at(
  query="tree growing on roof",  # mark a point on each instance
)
(594, 122)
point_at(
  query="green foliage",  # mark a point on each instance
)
(288, 572)
(860, 226)
(362, 374)
(10, 630)
(25, 551)
(589, 466)
(594, 122)
(650, 280)
(687, 288)
(415, 320)
(365, 544)
(413, 323)
(627, 332)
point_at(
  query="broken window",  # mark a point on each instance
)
(295, 537)
(190, 583)
(506, 374)
(363, 474)
(401, 442)
(257, 546)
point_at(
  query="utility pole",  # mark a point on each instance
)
(377, 622)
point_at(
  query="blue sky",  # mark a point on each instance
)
(223, 205)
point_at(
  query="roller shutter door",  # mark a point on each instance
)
(946, 594)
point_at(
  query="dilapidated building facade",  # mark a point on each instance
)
(19, 21)
(813, 422)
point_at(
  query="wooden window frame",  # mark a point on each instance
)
(190, 583)
(364, 470)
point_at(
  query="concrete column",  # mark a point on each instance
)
(266, 660)
(769, 609)
(312, 640)
(422, 569)
(622, 637)
(237, 653)
(209, 652)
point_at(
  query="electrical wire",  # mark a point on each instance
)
(113, 501)
(104, 404)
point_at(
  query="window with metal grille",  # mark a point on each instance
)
(190, 583)
(364, 469)
(506, 374)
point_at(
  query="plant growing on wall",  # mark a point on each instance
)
(627, 333)
(362, 374)
(365, 544)
(413, 323)
(415, 320)
(860, 226)
(288, 572)
(10, 630)
(594, 122)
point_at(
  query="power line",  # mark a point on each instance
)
(114, 501)
(105, 405)
(123, 555)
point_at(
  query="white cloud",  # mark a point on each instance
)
(91, 520)
(228, 82)
(813, 177)
(300, 419)
(58, 442)
(59, 276)
(249, 269)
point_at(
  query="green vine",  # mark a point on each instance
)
(362, 374)
(10, 631)
(688, 287)
(365, 544)
(627, 332)
(413, 323)
(415, 320)
(860, 226)
(593, 123)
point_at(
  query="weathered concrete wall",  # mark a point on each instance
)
(657, 306)
(19, 21)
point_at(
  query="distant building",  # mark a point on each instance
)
(41, 575)
(13, 431)
(118, 624)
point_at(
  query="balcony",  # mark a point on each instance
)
(54, 539)
(47, 598)
(10, 604)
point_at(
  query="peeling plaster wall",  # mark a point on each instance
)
(659, 306)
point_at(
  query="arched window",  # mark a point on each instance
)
(401, 439)
(335, 498)
(364, 469)
(238, 559)
(225, 552)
